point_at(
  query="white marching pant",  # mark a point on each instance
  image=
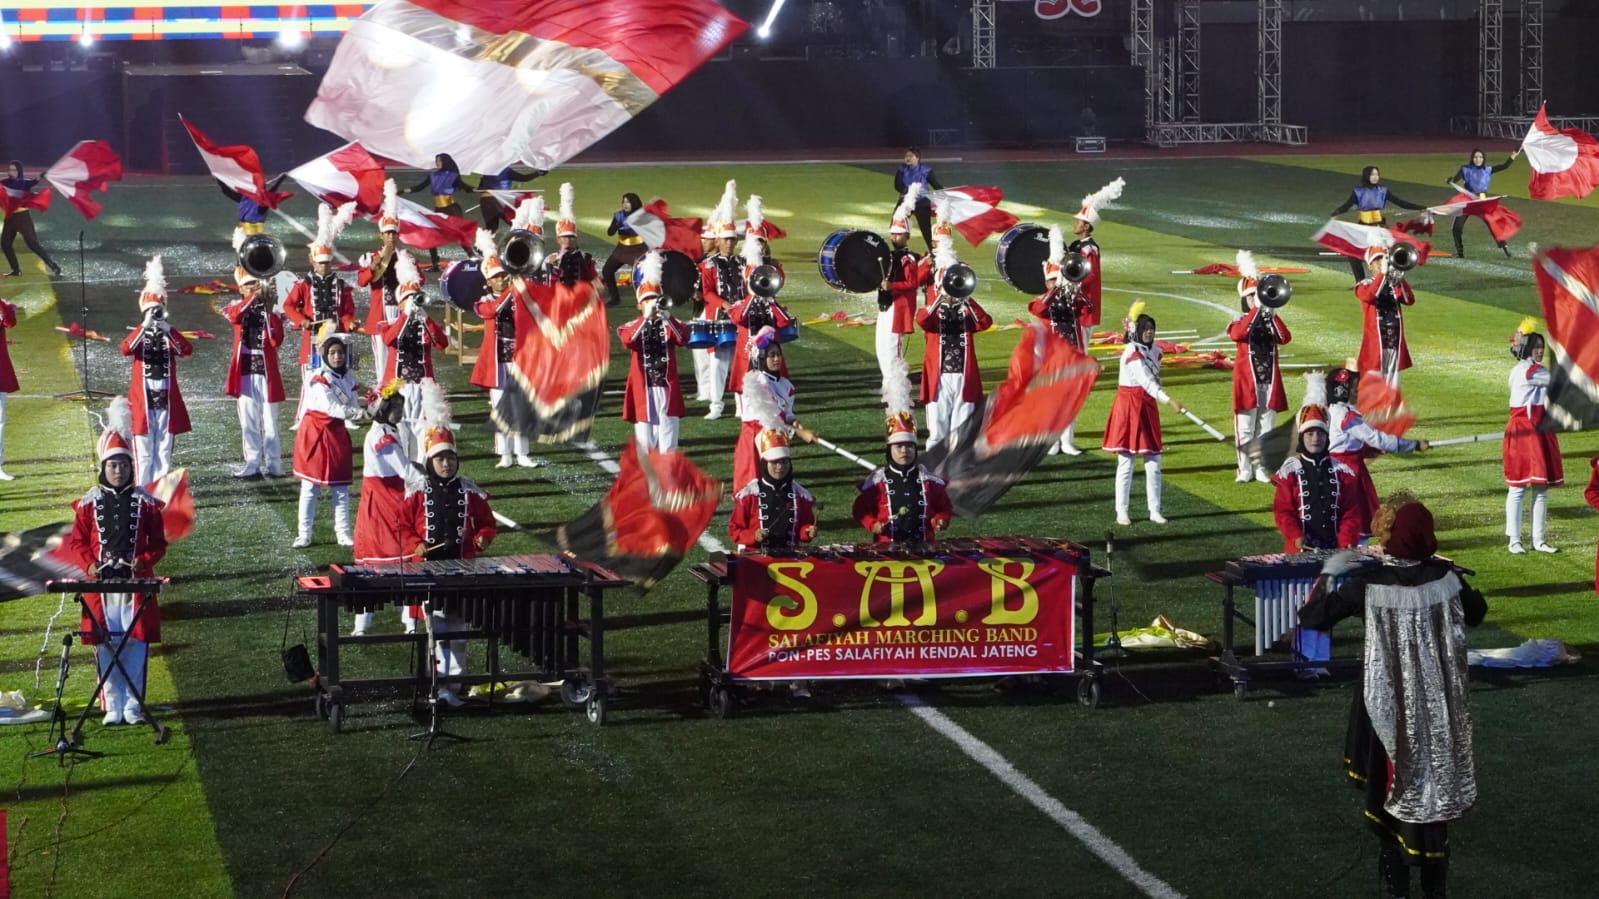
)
(411, 419)
(506, 445)
(946, 414)
(710, 374)
(152, 451)
(1540, 513)
(449, 655)
(660, 431)
(1124, 482)
(117, 697)
(380, 358)
(1246, 427)
(890, 345)
(1068, 437)
(258, 422)
(341, 510)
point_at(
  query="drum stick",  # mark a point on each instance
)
(1201, 422)
(847, 454)
(1475, 438)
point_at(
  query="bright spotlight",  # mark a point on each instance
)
(5, 41)
(291, 39)
(86, 40)
(765, 31)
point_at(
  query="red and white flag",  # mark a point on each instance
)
(88, 167)
(16, 200)
(348, 173)
(1352, 239)
(500, 82)
(424, 229)
(1565, 162)
(659, 231)
(974, 211)
(1502, 223)
(236, 166)
(1568, 286)
(509, 200)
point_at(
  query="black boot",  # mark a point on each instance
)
(1460, 249)
(1506, 247)
(1434, 880)
(1392, 873)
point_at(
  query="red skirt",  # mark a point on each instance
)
(1134, 425)
(746, 462)
(382, 505)
(1531, 458)
(322, 452)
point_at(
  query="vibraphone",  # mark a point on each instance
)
(528, 603)
(719, 690)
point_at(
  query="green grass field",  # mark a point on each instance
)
(851, 794)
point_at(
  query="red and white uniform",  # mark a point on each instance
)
(314, 299)
(1591, 494)
(1067, 318)
(752, 513)
(159, 413)
(411, 340)
(254, 380)
(653, 399)
(452, 520)
(711, 365)
(322, 451)
(1092, 284)
(951, 384)
(899, 319)
(749, 316)
(1352, 442)
(1134, 425)
(746, 461)
(8, 374)
(386, 469)
(489, 371)
(1257, 380)
(1532, 458)
(1292, 511)
(385, 305)
(874, 505)
(1382, 338)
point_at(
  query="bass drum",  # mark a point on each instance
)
(463, 284)
(854, 261)
(679, 277)
(1021, 256)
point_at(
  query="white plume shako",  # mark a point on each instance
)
(901, 222)
(1099, 199)
(409, 275)
(1248, 273)
(530, 214)
(483, 242)
(1057, 245)
(757, 214)
(390, 219)
(566, 218)
(722, 217)
(155, 284)
(649, 275)
(330, 223)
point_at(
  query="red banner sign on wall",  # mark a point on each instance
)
(821, 617)
(1054, 9)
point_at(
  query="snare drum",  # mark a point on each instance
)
(725, 332)
(1021, 256)
(700, 334)
(854, 261)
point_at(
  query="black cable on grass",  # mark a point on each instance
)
(371, 804)
(55, 850)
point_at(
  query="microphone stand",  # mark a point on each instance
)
(87, 394)
(1115, 641)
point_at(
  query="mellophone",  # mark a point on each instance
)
(528, 603)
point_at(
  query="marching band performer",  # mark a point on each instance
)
(1083, 224)
(411, 339)
(902, 502)
(253, 377)
(443, 181)
(1064, 307)
(772, 512)
(1382, 339)
(1257, 375)
(578, 265)
(1408, 744)
(117, 532)
(1531, 457)
(752, 312)
(628, 250)
(768, 404)
(387, 475)
(448, 517)
(322, 451)
(721, 285)
(19, 220)
(498, 311)
(1591, 495)
(378, 273)
(252, 215)
(951, 384)
(1134, 426)
(8, 377)
(1369, 199)
(159, 413)
(322, 296)
(896, 295)
(1473, 180)
(1352, 440)
(653, 399)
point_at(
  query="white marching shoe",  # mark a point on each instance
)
(715, 413)
(1122, 519)
(1243, 478)
(1157, 518)
(524, 460)
(448, 697)
(505, 461)
(1545, 548)
(1262, 476)
(132, 715)
(112, 718)
(301, 542)
(1516, 549)
(6, 477)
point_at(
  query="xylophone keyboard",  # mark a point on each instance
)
(1282, 583)
(454, 573)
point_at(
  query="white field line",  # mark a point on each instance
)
(985, 755)
(1023, 786)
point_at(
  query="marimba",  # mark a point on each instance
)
(718, 687)
(528, 603)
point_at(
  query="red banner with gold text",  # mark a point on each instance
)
(939, 616)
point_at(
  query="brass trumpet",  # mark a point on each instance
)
(1076, 268)
(523, 252)
(262, 256)
(766, 281)
(1273, 291)
(1403, 257)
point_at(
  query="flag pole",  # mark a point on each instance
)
(1475, 438)
(846, 454)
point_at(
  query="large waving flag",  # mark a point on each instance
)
(500, 82)
(348, 173)
(647, 522)
(659, 231)
(974, 211)
(1565, 162)
(88, 167)
(424, 229)
(1352, 239)
(1382, 405)
(17, 200)
(559, 366)
(237, 166)
(1568, 286)
(1502, 223)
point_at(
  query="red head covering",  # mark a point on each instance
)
(1412, 536)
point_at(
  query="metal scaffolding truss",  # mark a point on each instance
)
(1490, 59)
(1143, 54)
(1187, 60)
(984, 35)
(1494, 117)
(1269, 74)
(1531, 56)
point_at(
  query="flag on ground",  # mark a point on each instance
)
(660, 231)
(974, 211)
(1565, 162)
(1568, 286)
(348, 173)
(500, 82)
(236, 166)
(88, 167)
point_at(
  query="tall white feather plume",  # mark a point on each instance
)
(483, 242)
(941, 209)
(1107, 194)
(342, 217)
(757, 213)
(1246, 265)
(155, 277)
(897, 386)
(944, 253)
(650, 268)
(567, 194)
(907, 206)
(391, 199)
(324, 224)
(751, 248)
(119, 417)
(1057, 244)
(1315, 389)
(530, 214)
(405, 268)
(435, 408)
(758, 401)
(726, 206)
(239, 237)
